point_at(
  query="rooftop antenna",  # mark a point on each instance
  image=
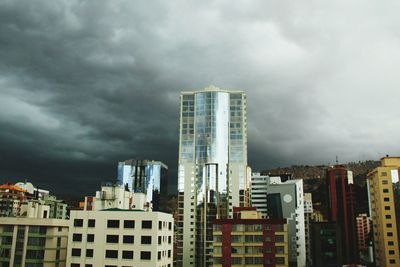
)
(337, 160)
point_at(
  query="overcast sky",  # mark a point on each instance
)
(85, 84)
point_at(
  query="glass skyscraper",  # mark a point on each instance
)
(213, 176)
(144, 176)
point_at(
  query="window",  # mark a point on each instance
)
(147, 224)
(127, 254)
(112, 238)
(89, 253)
(76, 252)
(389, 234)
(75, 265)
(159, 240)
(392, 261)
(391, 252)
(88, 265)
(129, 224)
(386, 199)
(159, 255)
(385, 182)
(112, 223)
(146, 239)
(390, 243)
(90, 238)
(170, 226)
(145, 255)
(169, 253)
(77, 237)
(385, 190)
(280, 260)
(112, 254)
(159, 225)
(91, 223)
(169, 240)
(389, 225)
(387, 207)
(279, 239)
(128, 239)
(388, 216)
(78, 222)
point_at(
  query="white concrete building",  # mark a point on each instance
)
(120, 238)
(116, 196)
(284, 200)
(33, 242)
(258, 193)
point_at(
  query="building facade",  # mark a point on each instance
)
(277, 199)
(33, 242)
(342, 209)
(213, 175)
(308, 212)
(117, 237)
(258, 192)
(248, 239)
(381, 183)
(326, 244)
(145, 176)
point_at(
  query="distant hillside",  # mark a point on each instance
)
(317, 171)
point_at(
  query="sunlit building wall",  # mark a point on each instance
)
(381, 184)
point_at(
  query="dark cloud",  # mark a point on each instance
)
(86, 84)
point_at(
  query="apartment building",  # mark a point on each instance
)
(33, 242)
(116, 237)
(382, 182)
(250, 240)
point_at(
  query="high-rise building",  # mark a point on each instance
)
(326, 244)
(341, 209)
(308, 212)
(213, 175)
(248, 239)
(144, 176)
(285, 200)
(382, 183)
(258, 192)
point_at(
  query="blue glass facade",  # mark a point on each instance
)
(144, 176)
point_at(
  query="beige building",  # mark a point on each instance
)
(248, 239)
(117, 237)
(33, 242)
(382, 210)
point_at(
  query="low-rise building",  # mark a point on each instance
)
(326, 244)
(248, 239)
(116, 237)
(33, 242)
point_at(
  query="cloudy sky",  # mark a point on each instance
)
(84, 84)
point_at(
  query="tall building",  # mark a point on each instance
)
(326, 244)
(248, 239)
(145, 176)
(258, 192)
(33, 242)
(308, 212)
(115, 237)
(285, 200)
(382, 183)
(341, 209)
(213, 175)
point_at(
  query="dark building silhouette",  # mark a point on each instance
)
(326, 247)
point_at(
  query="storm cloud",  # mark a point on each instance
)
(85, 84)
